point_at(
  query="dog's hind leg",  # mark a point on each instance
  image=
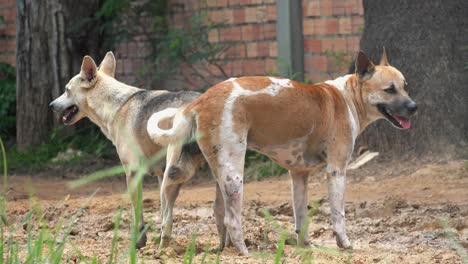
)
(299, 192)
(219, 212)
(169, 191)
(229, 173)
(134, 196)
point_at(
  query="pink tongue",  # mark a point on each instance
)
(405, 123)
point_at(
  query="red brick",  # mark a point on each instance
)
(258, 31)
(236, 68)
(251, 14)
(253, 67)
(252, 50)
(316, 63)
(320, 26)
(316, 77)
(247, 33)
(234, 2)
(273, 49)
(263, 49)
(10, 15)
(344, 25)
(313, 45)
(269, 31)
(271, 67)
(236, 51)
(334, 44)
(239, 16)
(332, 25)
(216, 3)
(352, 44)
(230, 34)
(308, 26)
(11, 45)
(311, 8)
(271, 13)
(338, 7)
(357, 23)
(255, 2)
(326, 8)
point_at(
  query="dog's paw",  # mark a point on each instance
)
(343, 243)
(142, 242)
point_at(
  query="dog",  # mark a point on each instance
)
(121, 112)
(298, 126)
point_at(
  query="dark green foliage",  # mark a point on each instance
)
(259, 166)
(7, 100)
(88, 140)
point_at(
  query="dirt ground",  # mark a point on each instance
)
(390, 218)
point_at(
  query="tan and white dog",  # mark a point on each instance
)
(296, 125)
(122, 111)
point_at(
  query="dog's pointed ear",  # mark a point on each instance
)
(108, 64)
(364, 66)
(88, 69)
(384, 58)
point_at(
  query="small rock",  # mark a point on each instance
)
(74, 232)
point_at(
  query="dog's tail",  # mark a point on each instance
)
(180, 130)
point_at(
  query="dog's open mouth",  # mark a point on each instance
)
(69, 114)
(396, 120)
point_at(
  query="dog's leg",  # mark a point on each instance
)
(299, 192)
(338, 154)
(134, 196)
(219, 212)
(230, 181)
(169, 192)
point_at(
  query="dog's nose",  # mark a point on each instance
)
(51, 105)
(411, 106)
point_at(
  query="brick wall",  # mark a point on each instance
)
(333, 25)
(8, 31)
(249, 30)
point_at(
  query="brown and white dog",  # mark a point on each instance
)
(296, 125)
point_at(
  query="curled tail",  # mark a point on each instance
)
(180, 130)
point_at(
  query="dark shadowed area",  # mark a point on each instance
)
(427, 41)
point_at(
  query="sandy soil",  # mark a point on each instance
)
(390, 218)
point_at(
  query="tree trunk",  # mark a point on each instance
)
(49, 51)
(426, 41)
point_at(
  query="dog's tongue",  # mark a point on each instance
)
(404, 122)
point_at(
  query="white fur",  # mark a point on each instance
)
(339, 82)
(161, 136)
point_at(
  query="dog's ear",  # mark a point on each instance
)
(384, 59)
(88, 69)
(364, 67)
(108, 64)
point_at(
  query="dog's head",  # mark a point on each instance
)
(384, 91)
(72, 104)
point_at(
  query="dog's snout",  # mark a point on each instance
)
(51, 106)
(411, 106)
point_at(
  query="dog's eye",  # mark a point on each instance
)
(391, 90)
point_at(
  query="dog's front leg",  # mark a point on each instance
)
(336, 189)
(299, 191)
(134, 196)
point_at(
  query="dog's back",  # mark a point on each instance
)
(134, 115)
